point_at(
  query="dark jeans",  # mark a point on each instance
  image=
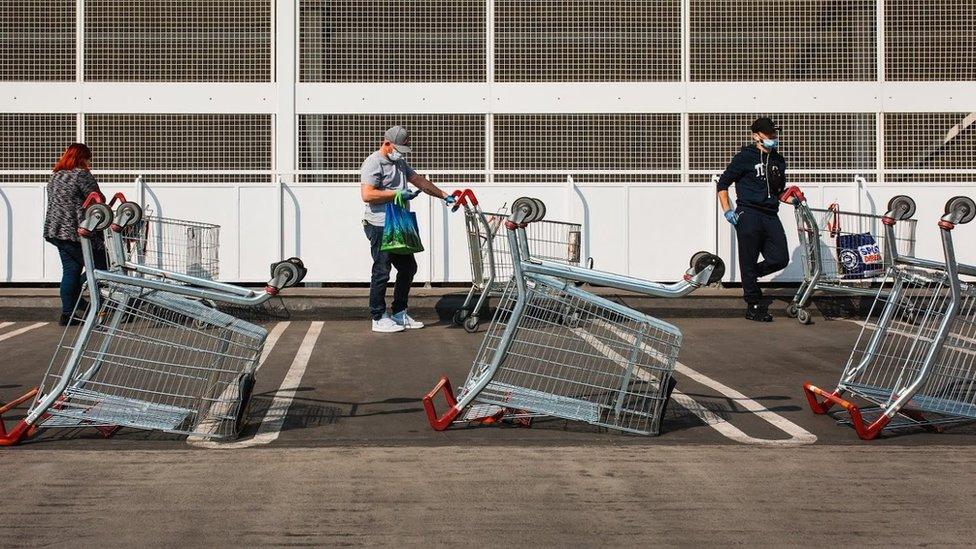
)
(72, 265)
(759, 233)
(406, 267)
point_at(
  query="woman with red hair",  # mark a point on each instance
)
(71, 183)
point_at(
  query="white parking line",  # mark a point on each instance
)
(17, 332)
(5, 324)
(274, 419)
(798, 435)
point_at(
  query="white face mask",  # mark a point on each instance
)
(395, 155)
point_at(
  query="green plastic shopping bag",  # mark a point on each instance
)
(401, 234)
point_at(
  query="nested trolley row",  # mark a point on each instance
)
(915, 360)
(149, 354)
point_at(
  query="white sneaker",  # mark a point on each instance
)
(404, 320)
(386, 325)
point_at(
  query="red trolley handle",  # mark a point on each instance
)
(461, 198)
(792, 195)
(864, 430)
(117, 197)
(94, 197)
(834, 226)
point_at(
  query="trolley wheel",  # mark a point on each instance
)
(542, 209)
(105, 214)
(302, 271)
(460, 315)
(527, 205)
(965, 207)
(286, 268)
(804, 316)
(903, 206)
(703, 259)
(471, 324)
(245, 387)
(792, 310)
(132, 209)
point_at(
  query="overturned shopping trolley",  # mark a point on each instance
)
(148, 354)
(556, 350)
(177, 245)
(844, 252)
(491, 260)
(916, 364)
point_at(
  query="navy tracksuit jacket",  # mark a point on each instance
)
(759, 178)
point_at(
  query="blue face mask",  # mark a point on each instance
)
(770, 144)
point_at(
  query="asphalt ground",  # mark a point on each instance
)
(338, 450)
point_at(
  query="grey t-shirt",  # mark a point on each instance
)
(385, 175)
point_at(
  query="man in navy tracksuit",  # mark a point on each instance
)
(758, 172)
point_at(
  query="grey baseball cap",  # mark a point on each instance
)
(399, 137)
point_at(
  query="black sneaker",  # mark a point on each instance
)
(69, 319)
(758, 312)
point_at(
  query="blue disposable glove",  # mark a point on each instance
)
(449, 200)
(732, 217)
(410, 195)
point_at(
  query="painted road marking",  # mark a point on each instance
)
(798, 435)
(274, 420)
(17, 332)
(5, 324)
(269, 345)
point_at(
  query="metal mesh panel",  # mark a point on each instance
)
(177, 40)
(227, 142)
(930, 141)
(930, 40)
(587, 141)
(585, 40)
(392, 41)
(37, 40)
(757, 40)
(439, 141)
(810, 141)
(34, 141)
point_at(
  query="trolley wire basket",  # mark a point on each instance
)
(177, 245)
(915, 359)
(491, 258)
(844, 252)
(556, 350)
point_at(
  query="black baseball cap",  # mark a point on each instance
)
(765, 125)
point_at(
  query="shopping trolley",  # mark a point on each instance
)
(844, 252)
(554, 349)
(149, 354)
(491, 260)
(916, 364)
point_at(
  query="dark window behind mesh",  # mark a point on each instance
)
(138, 142)
(34, 141)
(392, 41)
(809, 141)
(584, 40)
(930, 40)
(762, 40)
(587, 141)
(930, 141)
(177, 40)
(37, 40)
(441, 142)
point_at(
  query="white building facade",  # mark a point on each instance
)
(255, 115)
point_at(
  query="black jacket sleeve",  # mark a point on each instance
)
(732, 173)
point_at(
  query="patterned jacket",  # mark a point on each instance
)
(66, 193)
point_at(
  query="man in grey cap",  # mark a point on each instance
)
(385, 174)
